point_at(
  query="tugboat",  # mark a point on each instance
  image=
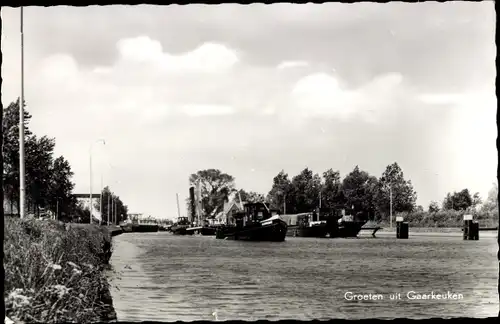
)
(181, 226)
(256, 223)
(345, 222)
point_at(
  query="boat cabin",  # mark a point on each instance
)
(183, 221)
(253, 213)
(344, 213)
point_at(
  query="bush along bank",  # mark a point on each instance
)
(55, 272)
(445, 219)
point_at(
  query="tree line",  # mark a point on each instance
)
(48, 179)
(307, 191)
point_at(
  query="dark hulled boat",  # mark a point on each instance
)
(145, 228)
(345, 222)
(181, 226)
(256, 223)
(205, 230)
(326, 222)
(307, 225)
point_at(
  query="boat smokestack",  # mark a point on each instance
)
(192, 204)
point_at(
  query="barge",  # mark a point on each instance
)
(180, 227)
(256, 223)
(326, 222)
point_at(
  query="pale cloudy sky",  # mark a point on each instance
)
(255, 89)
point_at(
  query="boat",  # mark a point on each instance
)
(345, 222)
(180, 227)
(256, 223)
(145, 228)
(204, 229)
(127, 226)
(326, 222)
(306, 225)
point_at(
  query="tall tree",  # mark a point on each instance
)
(305, 190)
(116, 209)
(404, 196)
(281, 192)
(60, 198)
(359, 189)
(331, 191)
(39, 162)
(216, 187)
(476, 200)
(249, 196)
(461, 200)
(490, 205)
(433, 207)
(10, 134)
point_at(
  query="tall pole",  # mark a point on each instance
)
(57, 209)
(22, 180)
(178, 208)
(320, 199)
(390, 194)
(90, 195)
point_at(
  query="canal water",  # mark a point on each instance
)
(161, 277)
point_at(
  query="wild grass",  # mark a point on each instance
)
(55, 273)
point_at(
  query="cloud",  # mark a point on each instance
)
(323, 95)
(208, 58)
(292, 64)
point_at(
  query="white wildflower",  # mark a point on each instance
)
(55, 266)
(77, 272)
(73, 265)
(17, 298)
(60, 290)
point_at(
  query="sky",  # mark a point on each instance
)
(254, 89)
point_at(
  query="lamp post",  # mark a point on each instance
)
(22, 172)
(90, 160)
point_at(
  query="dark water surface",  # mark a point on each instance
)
(167, 278)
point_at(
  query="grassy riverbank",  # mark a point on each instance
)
(55, 272)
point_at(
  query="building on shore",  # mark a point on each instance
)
(226, 216)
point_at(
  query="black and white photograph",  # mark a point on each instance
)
(221, 162)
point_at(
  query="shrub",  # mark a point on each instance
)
(448, 218)
(55, 273)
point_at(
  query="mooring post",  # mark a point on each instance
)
(401, 228)
(471, 228)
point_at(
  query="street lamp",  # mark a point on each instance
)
(22, 172)
(90, 158)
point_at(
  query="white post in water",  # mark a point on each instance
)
(22, 180)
